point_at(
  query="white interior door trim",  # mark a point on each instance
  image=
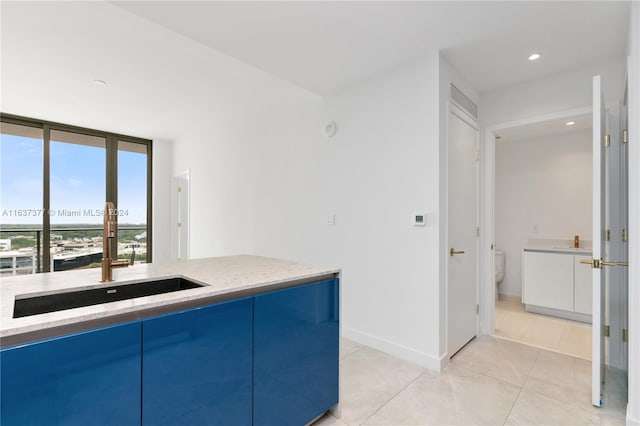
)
(181, 234)
(487, 210)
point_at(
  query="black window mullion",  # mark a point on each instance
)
(112, 182)
(149, 204)
(46, 199)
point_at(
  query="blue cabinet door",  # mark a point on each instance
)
(296, 334)
(87, 378)
(196, 366)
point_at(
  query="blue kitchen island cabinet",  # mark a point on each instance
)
(197, 366)
(86, 378)
(296, 332)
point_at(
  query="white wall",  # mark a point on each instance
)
(381, 166)
(544, 182)
(162, 226)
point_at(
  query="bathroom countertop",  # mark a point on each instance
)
(225, 278)
(586, 251)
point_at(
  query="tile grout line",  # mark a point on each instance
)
(521, 389)
(556, 351)
(352, 352)
(394, 396)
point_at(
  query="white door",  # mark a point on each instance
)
(624, 224)
(599, 225)
(601, 255)
(462, 228)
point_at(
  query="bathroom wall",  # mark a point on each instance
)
(543, 190)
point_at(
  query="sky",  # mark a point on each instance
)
(77, 183)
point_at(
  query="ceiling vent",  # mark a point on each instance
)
(464, 102)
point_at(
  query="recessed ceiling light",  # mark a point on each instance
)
(570, 123)
(100, 82)
(535, 56)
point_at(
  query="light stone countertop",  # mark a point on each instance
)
(583, 251)
(559, 246)
(243, 275)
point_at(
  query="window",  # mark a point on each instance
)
(55, 180)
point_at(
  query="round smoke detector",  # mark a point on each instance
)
(330, 129)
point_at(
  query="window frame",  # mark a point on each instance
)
(111, 190)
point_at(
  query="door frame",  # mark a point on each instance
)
(462, 114)
(487, 210)
(177, 253)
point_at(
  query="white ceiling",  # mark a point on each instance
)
(546, 128)
(324, 46)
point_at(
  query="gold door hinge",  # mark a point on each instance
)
(178, 224)
(624, 235)
(607, 140)
(625, 136)
(606, 331)
(624, 335)
(478, 309)
(607, 234)
(477, 231)
(179, 189)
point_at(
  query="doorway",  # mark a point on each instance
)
(611, 150)
(543, 210)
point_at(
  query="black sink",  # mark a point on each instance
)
(95, 296)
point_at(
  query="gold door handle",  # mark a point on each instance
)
(453, 252)
(598, 264)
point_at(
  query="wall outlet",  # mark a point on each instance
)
(331, 219)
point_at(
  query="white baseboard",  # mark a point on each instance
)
(425, 360)
(510, 298)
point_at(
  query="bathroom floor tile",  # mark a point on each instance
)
(512, 322)
(543, 333)
(576, 341)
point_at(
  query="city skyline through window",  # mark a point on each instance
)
(84, 170)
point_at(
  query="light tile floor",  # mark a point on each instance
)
(489, 382)
(555, 334)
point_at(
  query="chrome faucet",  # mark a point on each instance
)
(109, 232)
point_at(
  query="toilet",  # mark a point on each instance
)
(499, 266)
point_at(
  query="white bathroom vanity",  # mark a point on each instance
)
(554, 282)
